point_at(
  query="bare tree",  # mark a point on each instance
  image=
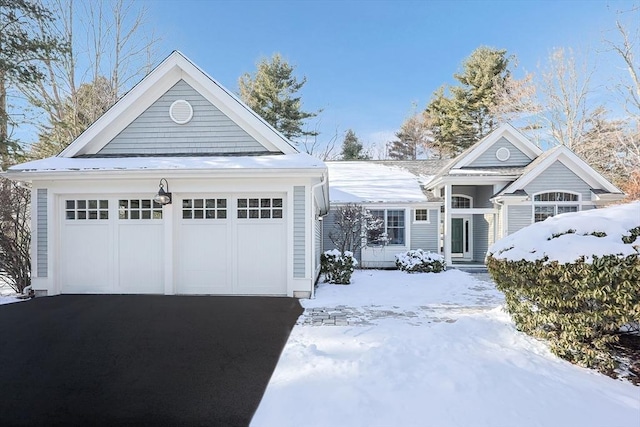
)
(352, 225)
(627, 48)
(565, 89)
(322, 150)
(109, 49)
(15, 236)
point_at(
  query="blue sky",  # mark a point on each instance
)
(368, 62)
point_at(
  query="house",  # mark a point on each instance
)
(179, 188)
(459, 207)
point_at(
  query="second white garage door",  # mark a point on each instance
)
(231, 245)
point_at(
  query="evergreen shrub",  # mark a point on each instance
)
(419, 261)
(579, 307)
(337, 267)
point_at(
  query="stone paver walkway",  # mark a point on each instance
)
(343, 315)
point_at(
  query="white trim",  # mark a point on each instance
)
(176, 105)
(503, 154)
(174, 68)
(468, 240)
(555, 204)
(574, 163)
(507, 131)
(463, 196)
(421, 221)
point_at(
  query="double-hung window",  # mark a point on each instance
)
(554, 203)
(386, 226)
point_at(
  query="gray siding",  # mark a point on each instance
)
(488, 158)
(42, 267)
(480, 193)
(480, 237)
(518, 217)
(209, 132)
(558, 177)
(299, 224)
(425, 236)
(328, 225)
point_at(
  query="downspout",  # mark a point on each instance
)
(313, 192)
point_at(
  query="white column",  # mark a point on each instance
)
(167, 218)
(447, 224)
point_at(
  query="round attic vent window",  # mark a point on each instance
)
(181, 111)
(503, 154)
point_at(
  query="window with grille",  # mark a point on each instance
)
(86, 209)
(460, 202)
(263, 208)
(204, 208)
(386, 226)
(421, 215)
(554, 203)
(139, 209)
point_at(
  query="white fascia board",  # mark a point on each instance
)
(472, 180)
(511, 134)
(30, 176)
(571, 161)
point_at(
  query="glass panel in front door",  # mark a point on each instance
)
(457, 235)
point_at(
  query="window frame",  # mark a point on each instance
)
(101, 209)
(190, 205)
(421, 221)
(386, 229)
(462, 196)
(554, 204)
(274, 211)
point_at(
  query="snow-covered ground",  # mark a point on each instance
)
(7, 294)
(443, 353)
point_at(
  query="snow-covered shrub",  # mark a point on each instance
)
(337, 267)
(419, 261)
(574, 280)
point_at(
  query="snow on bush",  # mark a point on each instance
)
(569, 237)
(419, 261)
(338, 267)
(573, 280)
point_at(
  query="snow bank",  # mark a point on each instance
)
(537, 241)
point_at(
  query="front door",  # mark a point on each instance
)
(461, 237)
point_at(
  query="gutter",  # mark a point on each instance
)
(322, 215)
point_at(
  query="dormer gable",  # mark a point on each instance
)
(178, 109)
(504, 147)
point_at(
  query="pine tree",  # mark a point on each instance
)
(411, 139)
(21, 45)
(271, 92)
(461, 115)
(352, 148)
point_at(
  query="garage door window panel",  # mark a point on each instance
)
(91, 209)
(204, 208)
(136, 209)
(260, 208)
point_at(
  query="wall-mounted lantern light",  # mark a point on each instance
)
(163, 197)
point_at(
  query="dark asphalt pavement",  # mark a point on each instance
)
(139, 360)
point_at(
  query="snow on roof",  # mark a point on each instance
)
(64, 164)
(353, 182)
(537, 241)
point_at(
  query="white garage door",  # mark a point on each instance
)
(111, 245)
(231, 245)
(203, 246)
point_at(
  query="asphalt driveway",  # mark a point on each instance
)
(139, 360)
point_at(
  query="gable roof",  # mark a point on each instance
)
(506, 131)
(568, 158)
(459, 165)
(174, 68)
